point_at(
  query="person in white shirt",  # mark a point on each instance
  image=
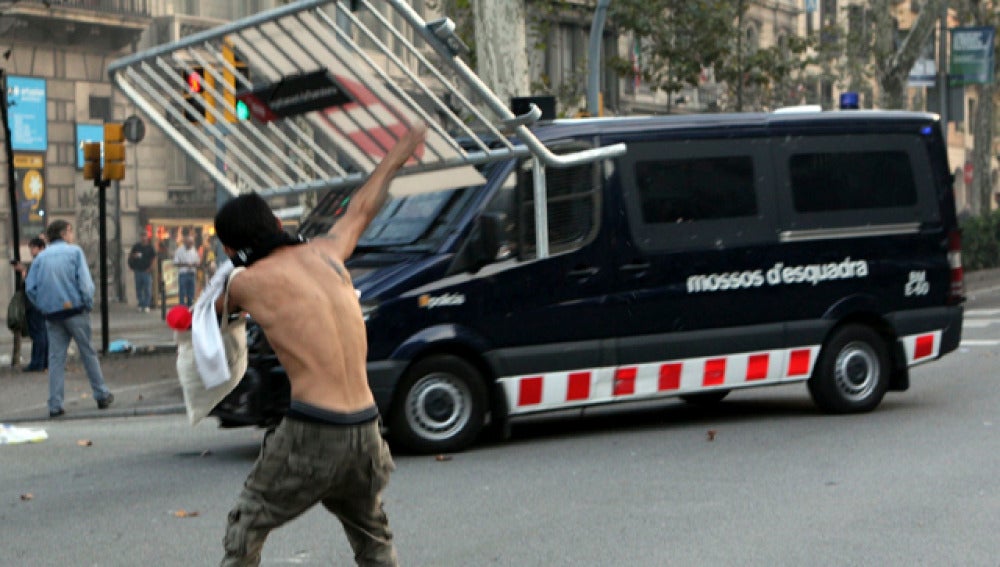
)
(186, 260)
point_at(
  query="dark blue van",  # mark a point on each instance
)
(720, 252)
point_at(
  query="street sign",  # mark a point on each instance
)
(971, 56)
(135, 129)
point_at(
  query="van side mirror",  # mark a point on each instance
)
(487, 244)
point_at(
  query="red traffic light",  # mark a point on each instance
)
(194, 82)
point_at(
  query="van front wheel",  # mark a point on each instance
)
(852, 373)
(440, 406)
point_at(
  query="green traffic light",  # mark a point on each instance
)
(242, 110)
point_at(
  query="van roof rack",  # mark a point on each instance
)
(329, 86)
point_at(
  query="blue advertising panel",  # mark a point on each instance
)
(87, 133)
(28, 120)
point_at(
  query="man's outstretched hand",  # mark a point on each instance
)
(406, 146)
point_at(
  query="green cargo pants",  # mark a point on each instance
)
(302, 463)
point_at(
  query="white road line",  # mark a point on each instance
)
(980, 342)
(978, 323)
(981, 312)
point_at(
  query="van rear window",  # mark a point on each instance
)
(693, 189)
(844, 181)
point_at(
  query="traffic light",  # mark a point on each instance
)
(240, 110)
(196, 98)
(92, 160)
(114, 151)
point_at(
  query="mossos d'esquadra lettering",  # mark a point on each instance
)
(779, 274)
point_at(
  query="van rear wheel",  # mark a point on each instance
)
(852, 373)
(440, 406)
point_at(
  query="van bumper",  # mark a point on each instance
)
(383, 375)
(946, 319)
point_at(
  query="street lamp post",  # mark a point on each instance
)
(15, 227)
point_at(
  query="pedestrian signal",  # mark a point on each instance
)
(195, 80)
(197, 99)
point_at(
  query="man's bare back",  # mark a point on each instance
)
(304, 300)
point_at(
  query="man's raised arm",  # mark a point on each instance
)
(369, 199)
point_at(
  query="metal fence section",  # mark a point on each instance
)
(311, 95)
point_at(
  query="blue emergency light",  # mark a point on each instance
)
(849, 101)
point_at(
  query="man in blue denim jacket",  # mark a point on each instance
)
(60, 286)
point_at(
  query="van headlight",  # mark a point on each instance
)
(368, 309)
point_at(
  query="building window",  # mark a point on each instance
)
(65, 198)
(177, 171)
(100, 108)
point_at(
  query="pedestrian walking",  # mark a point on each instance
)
(140, 261)
(186, 260)
(60, 286)
(36, 320)
(302, 296)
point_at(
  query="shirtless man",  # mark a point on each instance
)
(328, 448)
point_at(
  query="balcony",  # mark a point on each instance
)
(95, 24)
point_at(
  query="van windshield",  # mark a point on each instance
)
(404, 220)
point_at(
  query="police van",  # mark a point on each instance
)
(719, 252)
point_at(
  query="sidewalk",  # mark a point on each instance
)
(146, 331)
(143, 379)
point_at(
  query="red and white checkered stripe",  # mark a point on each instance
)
(574, 388)
(922, 347)
(557, 390)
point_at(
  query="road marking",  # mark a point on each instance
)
(981, 312)
(981, 342)
(979, 323)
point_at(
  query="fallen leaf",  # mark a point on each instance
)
(711, 434)
(186, 514)
(442, 458)
(85, 442)
(27, 496)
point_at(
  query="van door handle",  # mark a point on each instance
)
(637, 267)
(582, 273)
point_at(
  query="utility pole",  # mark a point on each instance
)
(15, 357)
(943, 72)
(739, 56)
(595, 104)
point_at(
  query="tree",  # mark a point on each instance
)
(892, 63)
(501, 53)
(982, 13)
(677, 39)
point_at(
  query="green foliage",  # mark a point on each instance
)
(981, 241)
(678, 38)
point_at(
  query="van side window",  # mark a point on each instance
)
(703, 188)
(681, 194)
(573, 196)
(845, 181)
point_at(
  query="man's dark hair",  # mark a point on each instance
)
(55, 229)
(246, 221)
(36, 242)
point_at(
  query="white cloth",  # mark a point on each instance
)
(186, 256)
(206, 338)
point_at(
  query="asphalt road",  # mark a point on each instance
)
(762, 480)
